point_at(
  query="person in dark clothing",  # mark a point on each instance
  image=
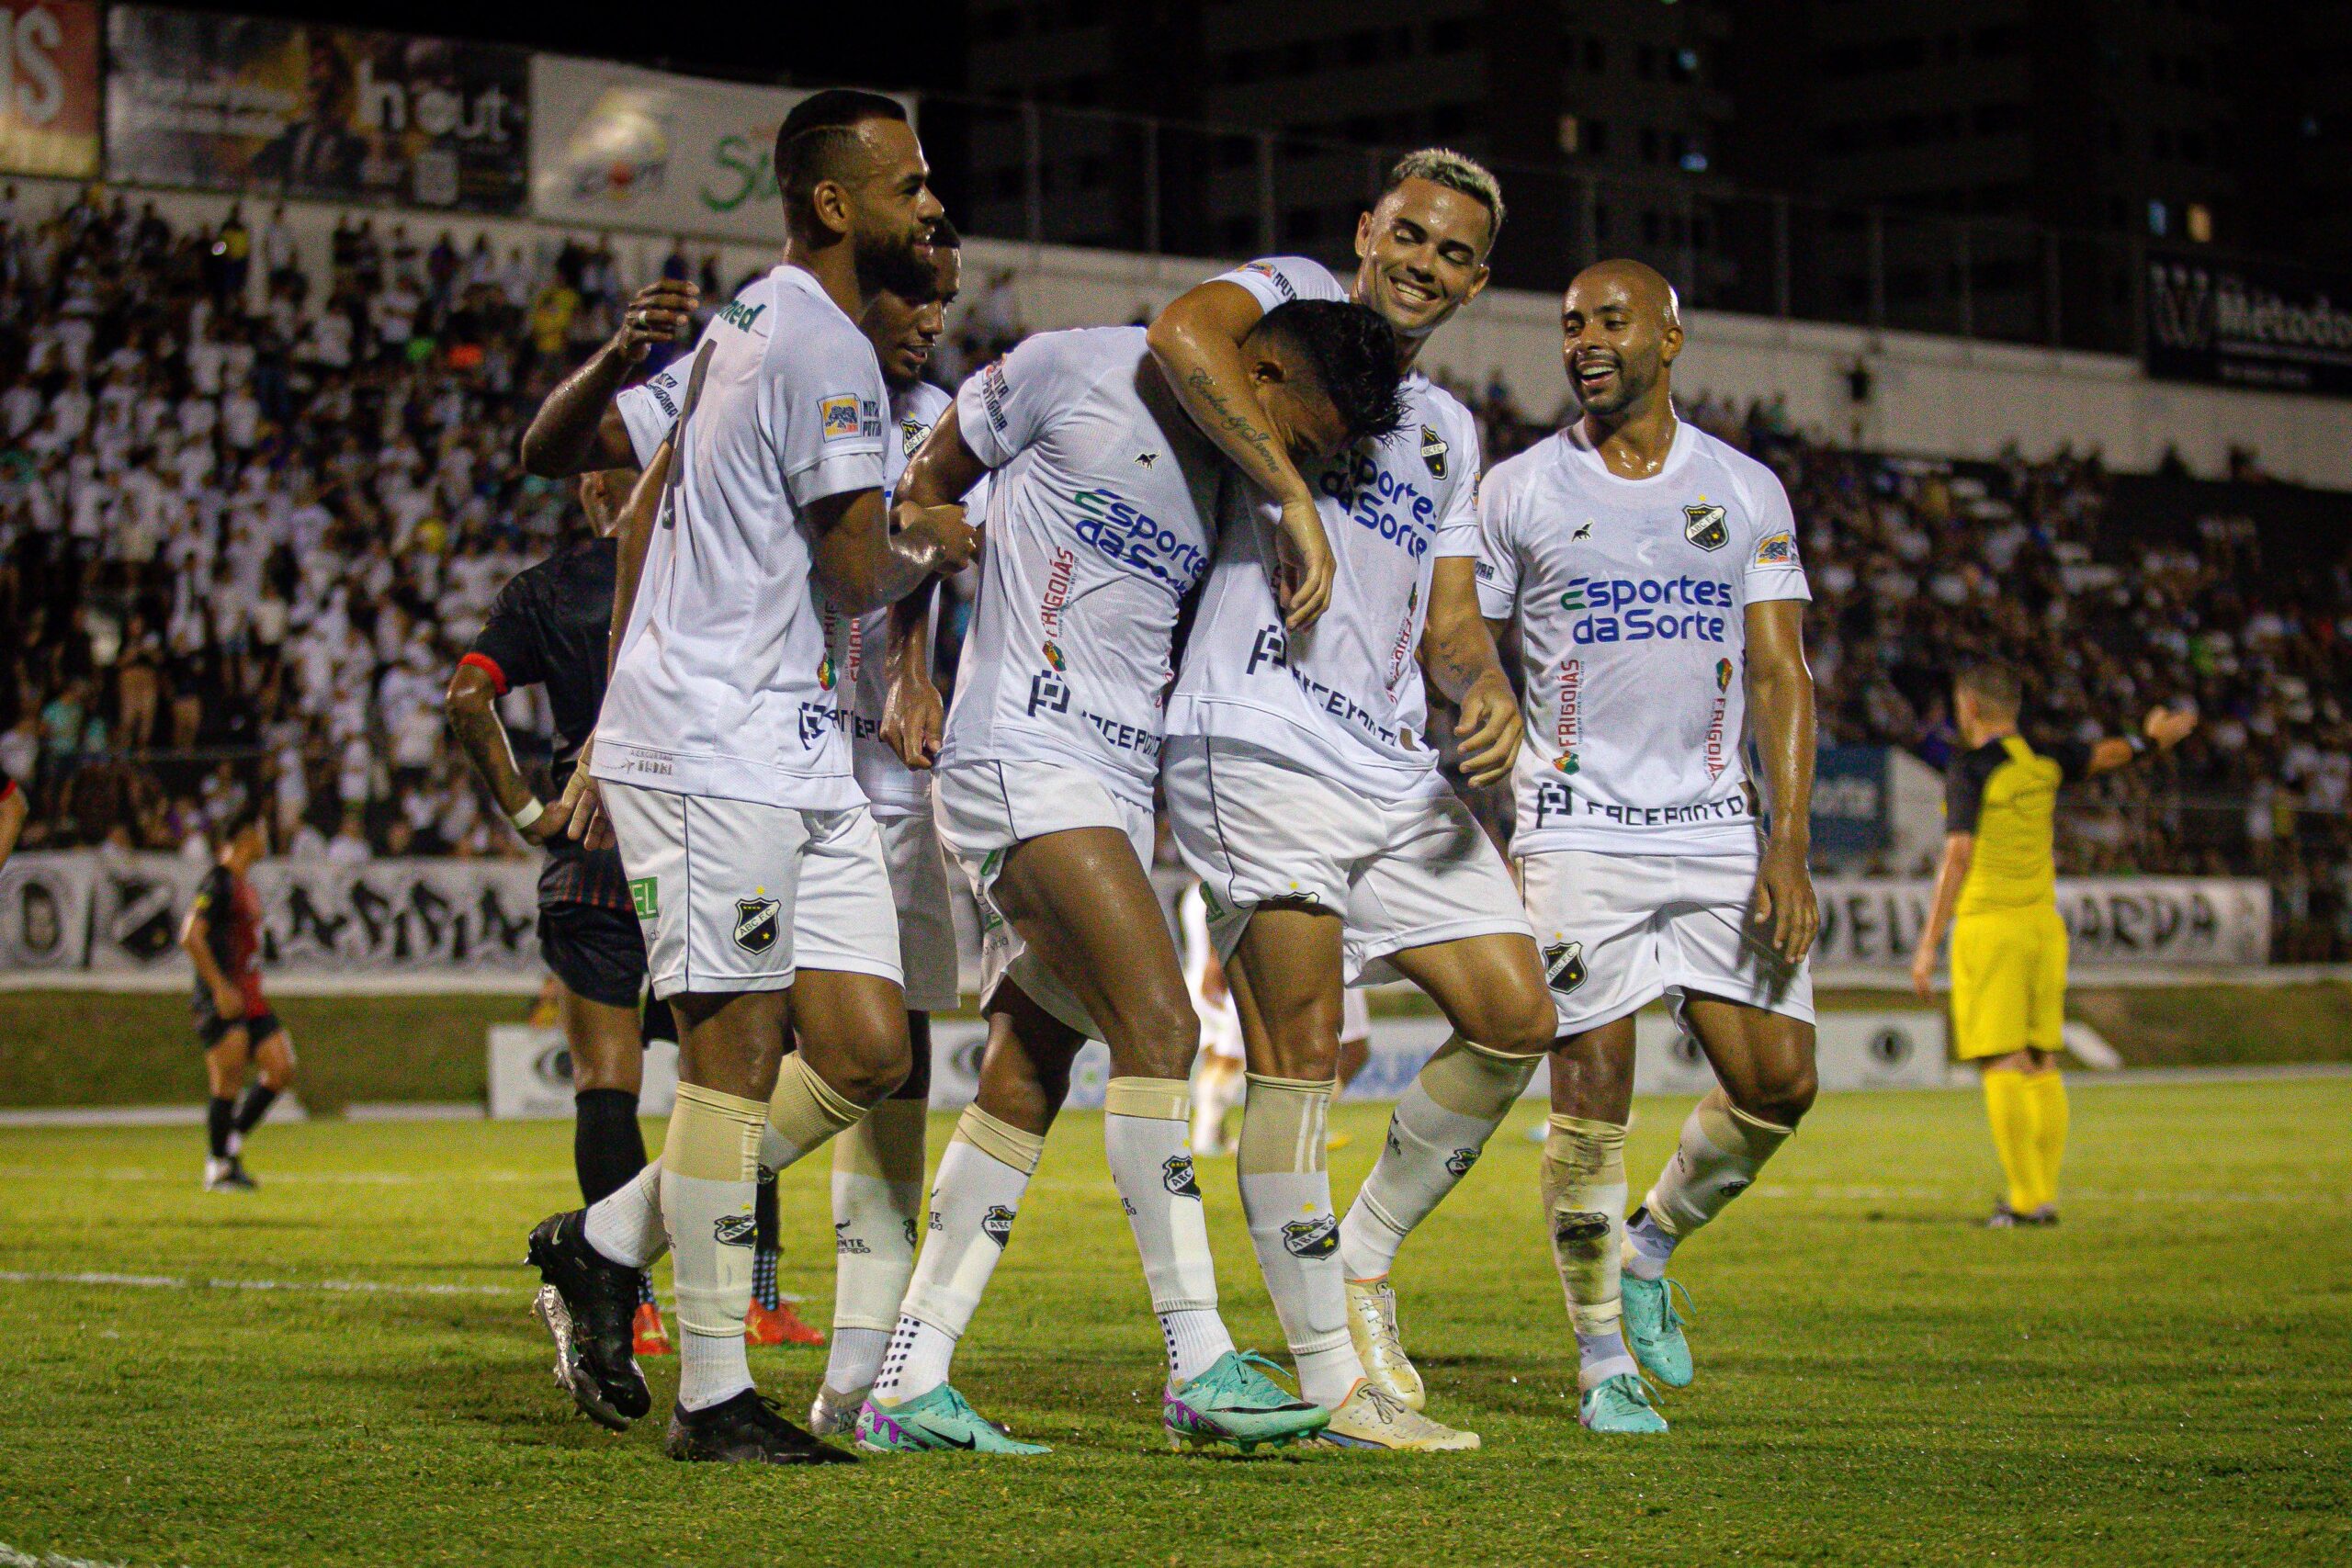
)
(234, 1019)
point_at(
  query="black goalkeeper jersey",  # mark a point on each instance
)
(548, 626)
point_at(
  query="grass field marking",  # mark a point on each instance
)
(291, 1178)
(173, 1282)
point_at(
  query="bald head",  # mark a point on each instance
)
(1621, 330)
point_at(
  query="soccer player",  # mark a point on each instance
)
(1997, 891)
(722, 759)
(14, 809)
(222, 936)
(878, 1164)
(1100, 525)
(1305, 794)
(549, 626)
(1652, 572)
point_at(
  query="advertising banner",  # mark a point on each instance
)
(613, 144)
(45, 910)
(49, 87)
(2249, 324)
(298, 109)
(2111, 921)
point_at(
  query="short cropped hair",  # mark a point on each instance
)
(1353, 351)
(231, 827)
(1994, 684)
(1445, 166)
(815, 138)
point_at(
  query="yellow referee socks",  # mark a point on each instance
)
(2009, 1105)
(2047, 1092)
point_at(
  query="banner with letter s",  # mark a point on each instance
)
(49, 87)
(2111, 921)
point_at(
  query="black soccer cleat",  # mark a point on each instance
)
(228, 1176)
(588, 1304)
(746, 1429)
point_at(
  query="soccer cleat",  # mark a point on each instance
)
(941, 1421)
(1372, 1324)
(1621, 1404)
(589, 1304)
(1372, 1417)
(1233, 1402)
(778, 1325)
(2047, 1214)
(2003, 1218)
(831, 1413)
(746, 1429)
(1654, 1330)
(646, 1335)
(228, 1176)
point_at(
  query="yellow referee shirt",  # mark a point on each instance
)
(2008, 946)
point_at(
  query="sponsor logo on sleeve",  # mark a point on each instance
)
(838, 417)
(1268, 271)
(993, 393)
(1703, 526)
(1777, 549)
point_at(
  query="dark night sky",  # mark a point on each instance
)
(810, 42)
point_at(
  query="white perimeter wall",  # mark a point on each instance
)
(1930, 396)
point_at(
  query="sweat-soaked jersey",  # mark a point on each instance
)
(1344, 698)
(1632, 598)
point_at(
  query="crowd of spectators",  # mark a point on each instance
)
(252, 513)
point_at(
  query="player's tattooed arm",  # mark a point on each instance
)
(1780, 699)
(577, 428)
(1197, 344)
(1458, 655)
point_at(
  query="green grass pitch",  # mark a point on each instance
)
(2166, 1378)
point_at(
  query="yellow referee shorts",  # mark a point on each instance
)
(2008, 981)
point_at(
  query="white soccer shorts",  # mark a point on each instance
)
(1400, 874)
(1620, 931)
(985, 808)
(926, 925)
(737, 895)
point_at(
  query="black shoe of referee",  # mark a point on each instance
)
(747, 1429)
(587, 1304)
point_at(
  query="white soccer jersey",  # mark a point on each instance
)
(1345, 698)
(895, 789)
(1631, 599)
(725, 685)
(1099, 524)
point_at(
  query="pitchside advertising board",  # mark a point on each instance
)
(258, 105)
(2249, 324)
(614, 145)
(49, 88)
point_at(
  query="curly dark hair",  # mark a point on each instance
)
(1354, 355)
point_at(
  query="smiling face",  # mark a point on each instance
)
(889, 211)
(904, 331)
(1421, 254)
(1620, 329)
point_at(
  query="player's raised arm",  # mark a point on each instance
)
(1458, 653)
(2164, 727)
(578, 427)
(1197, 341)
(1779, 695)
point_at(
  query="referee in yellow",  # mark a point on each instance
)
(1998, 890)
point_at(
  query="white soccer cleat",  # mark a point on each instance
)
(833, 1412)
(1372, 1324)
(1372, 1417)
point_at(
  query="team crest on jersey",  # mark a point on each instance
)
(755, 923)
(911, 434)
(1777, 549)
(1318, 1237)
(837, 417)
(997, 1225)
(1563, 968)
(1433, 451)
(1177, 1177)
(1703, 526)
(1722, 675)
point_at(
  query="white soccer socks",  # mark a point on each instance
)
(982, 1174)
(803, 1114)
(1286, 1193)
(709, 1167)
(1143, 1134)
(1584, 1205)
(1440, 1126)
(877, 1205)
(1723, 1148)
(624, 1225)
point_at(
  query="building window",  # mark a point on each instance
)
(2159, 218)
(2197, 223)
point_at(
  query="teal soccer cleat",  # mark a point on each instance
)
(1619, 1404)
(939, 1421)
(1233, 1402)
(1654, 1330)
